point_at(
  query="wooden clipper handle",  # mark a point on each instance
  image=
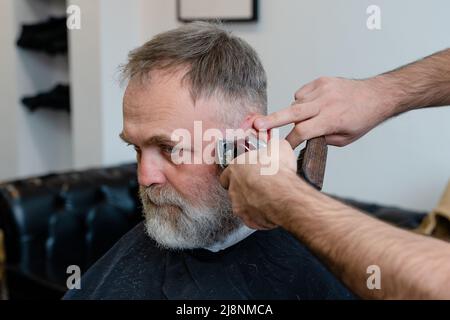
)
(312, 160)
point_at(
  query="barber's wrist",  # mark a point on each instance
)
(392, 90)
(305, 206)
(299, 200)
(388, 95)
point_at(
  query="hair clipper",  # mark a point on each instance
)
(311, 161)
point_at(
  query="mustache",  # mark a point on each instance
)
(161, 196)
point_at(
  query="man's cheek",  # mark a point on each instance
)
(200, 183)
(184, 181)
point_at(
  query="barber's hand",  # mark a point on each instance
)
(258, 199)
(340, 109)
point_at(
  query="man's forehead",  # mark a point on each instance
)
(158, 108)
(170, 112)
(163, 122)
(163, 100)
(158, 101)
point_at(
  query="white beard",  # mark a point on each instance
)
(176, 224)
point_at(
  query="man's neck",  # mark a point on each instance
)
(236, 236)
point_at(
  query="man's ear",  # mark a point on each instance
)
(248, 124)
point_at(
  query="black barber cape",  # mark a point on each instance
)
(266, 265)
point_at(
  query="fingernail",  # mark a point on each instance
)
(259, 123)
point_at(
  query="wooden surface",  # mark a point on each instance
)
(312, 161)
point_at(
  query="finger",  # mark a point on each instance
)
(258, 221)
(224, 178)
(246, 220)
(337, 140)
(308, 96)
(268, 227)
(301, 93)
(251, 224)
(244, 158)
(287, 156)
(305, 131)
(263, 225)
(295, 113)
(266, 224)
(341, 140)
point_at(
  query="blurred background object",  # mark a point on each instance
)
(49, 36)
(3, 293)
(223, 10)
(54, 221)
(58, 98)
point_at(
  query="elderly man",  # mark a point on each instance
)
(191, 246)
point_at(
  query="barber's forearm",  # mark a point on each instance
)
(420, 84)
(348, 241)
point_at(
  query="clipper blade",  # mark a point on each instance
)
(227, 150)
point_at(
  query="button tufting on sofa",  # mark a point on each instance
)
(58, 220)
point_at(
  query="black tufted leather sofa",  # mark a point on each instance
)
(58, 220)
(73, 218)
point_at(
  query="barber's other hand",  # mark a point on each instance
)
(340, 109)
(257, 199)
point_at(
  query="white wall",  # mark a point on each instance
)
(118, 23)
(405, 161)
(109, 30)
(8, 142)
(85, 71)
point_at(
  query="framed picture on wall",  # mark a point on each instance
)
(223, 10)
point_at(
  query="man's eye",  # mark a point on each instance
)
(166, 148)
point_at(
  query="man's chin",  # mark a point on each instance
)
(170, 210)
(171, 228)
(166, 237)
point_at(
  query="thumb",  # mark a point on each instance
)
(224, 178)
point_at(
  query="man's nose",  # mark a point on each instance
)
(150, 170)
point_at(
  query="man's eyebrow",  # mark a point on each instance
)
(154, 140)
(123, 138)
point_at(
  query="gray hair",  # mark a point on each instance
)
(218, 64)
